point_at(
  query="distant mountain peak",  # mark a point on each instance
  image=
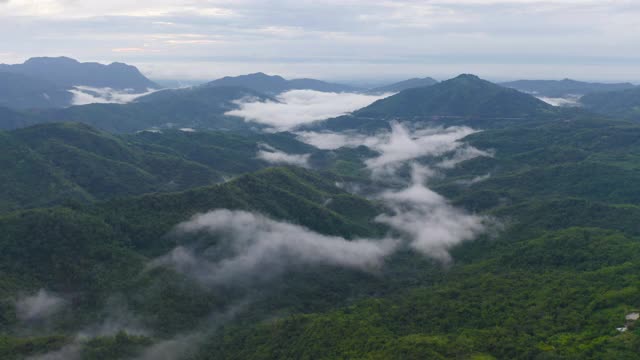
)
(468, 77)
(65, 72)
(275, 84)
(466, 95)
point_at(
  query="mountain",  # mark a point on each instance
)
(273, 84)
(404, 85)
(562, 88)
(18, 91)
(568, 191)
(52, 163)
(66, 73)
(465, 96)
(625, 103)
(199, 107)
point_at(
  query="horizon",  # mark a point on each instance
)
(352, 41)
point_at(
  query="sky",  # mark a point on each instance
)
(346, 40)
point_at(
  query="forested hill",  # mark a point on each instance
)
(463, 96)
(52, 163)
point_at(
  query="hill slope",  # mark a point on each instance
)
(52, 163)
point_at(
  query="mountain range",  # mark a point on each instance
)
(163, 228)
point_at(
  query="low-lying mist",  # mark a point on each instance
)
(84, 95)
(298, 107)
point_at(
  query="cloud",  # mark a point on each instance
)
(257, 248)
(38, 306)
(250, 247)
(186, 346)
(83, 95)
(461, 154)
(562, 101)
(274, 156)
(117, 318)
(402, 144)
(427, 220)
(474, 180)
(297, 107)
(330, 140)
(356, 39)
(279, 157)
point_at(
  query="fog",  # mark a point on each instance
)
(38, 306)
(258, 248)
(298, 107)
(83, 95)
(274, 156)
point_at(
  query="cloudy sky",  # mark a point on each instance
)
(334, 39)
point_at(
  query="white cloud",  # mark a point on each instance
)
(83, 95)
(278, 157)
(259, 248)
(297, 107)
(331, 140)
(401, 144)
(562, 101)
(38, 306)
(461, 154)
(428, 221)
